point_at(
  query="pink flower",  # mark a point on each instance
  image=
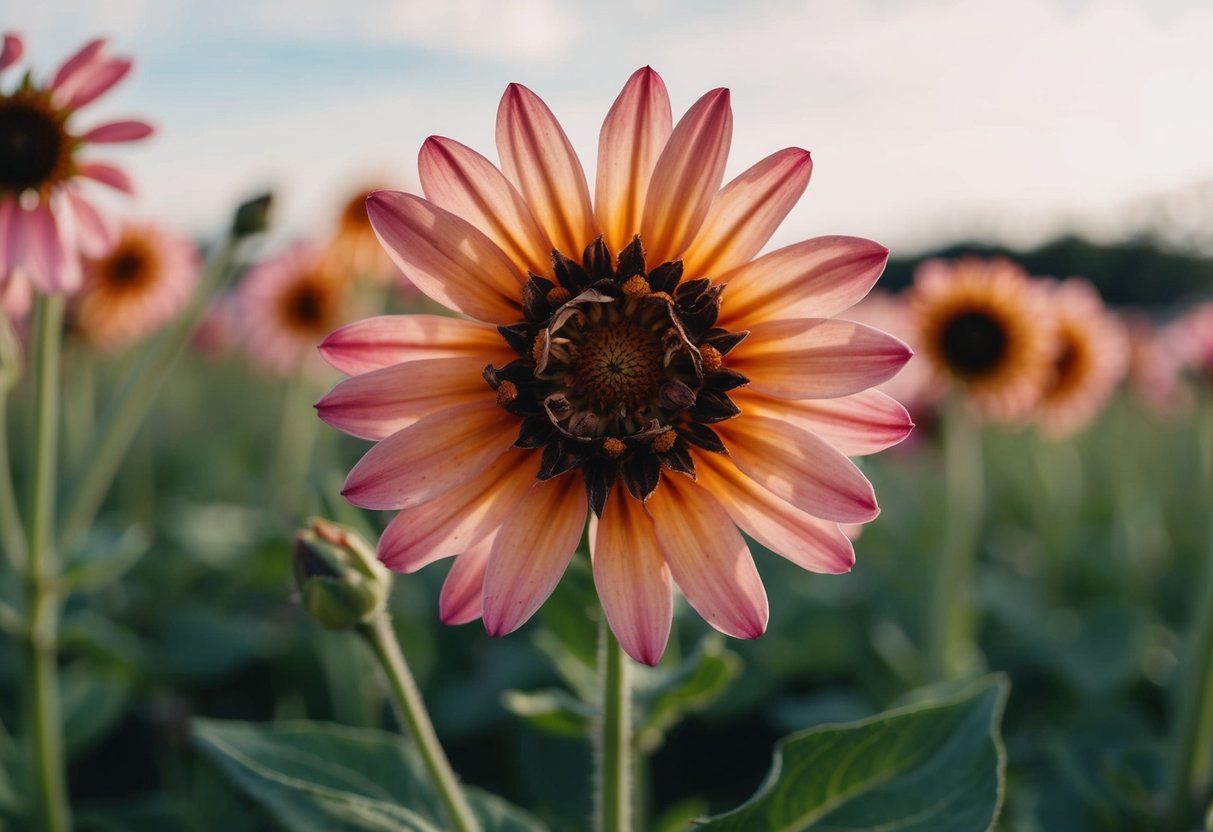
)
(1190, 341)
(45, 220)
(629, 342)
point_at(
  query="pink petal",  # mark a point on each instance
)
(93, 82)
(632, 578)
(8, 211)
(13, 50)
(817, 278)
(807, 541)
(460, 180)
(859, 424)
(686, 177)
(107, 175)
(531, 551)
(438, 453)
(634, 132)
(537, 157)
(446, 257)
(81, 58)
(746, 213)
(97, 232)
(50, 259)
(382, 341)
(449, 523)
(817, 358)
(708, 558)
(118, 131)
(460, 599)
(375, 405)
(799, 467)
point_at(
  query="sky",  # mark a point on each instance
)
(929, 121)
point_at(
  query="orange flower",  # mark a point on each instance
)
(354, 252)
(641, 365)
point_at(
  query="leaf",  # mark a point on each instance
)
(312, 775)
(93, 701)
(934, 767)
(554, 711)
(665, 696)
(107, 555)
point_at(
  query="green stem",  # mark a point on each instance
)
(951, 636)
(615, 741)
(40, 679)
(126, 412)
(297, 432)
(379, 634)
(11, 528)
(1192, 761)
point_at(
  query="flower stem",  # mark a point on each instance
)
(12, 532)
(379, 634)
(615, 741)
(298, 429)
(1192, 761)
(41, 675)
(951, 628)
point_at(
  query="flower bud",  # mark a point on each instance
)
(253, 216)
(341, 583)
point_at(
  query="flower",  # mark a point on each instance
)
(984, 325)
(1153, 370)
(1090, 358)
(132, 291)
(612, 352)
(915, 386)
(354, 252)
(288, 303)
(1190, 341)
(45, 220)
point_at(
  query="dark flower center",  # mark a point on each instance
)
(974, 343)
(32, 144)
(126, 267)
(308, 305)
(620, 370)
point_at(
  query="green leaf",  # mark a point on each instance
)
(106, 556)
(932, 767)
(93, 701)
(665, 696)
(312, 775)
(554, 711)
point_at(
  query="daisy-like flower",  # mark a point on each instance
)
(1090, 358)
(46, 222)
(354, 251)
(625, 359)
(132, 291)
(984, 325)
(1190, 340)
(288, 303)
(1153, 371)
(915, 387)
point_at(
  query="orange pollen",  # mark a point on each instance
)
(537, 348)
(558, 295)
(506, 393)
(613, 448)
(663, 441)
(712, 359)
(636, 287)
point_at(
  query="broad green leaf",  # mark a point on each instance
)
(555, 711)
(664, 696)
(312, 775)
(932, 767)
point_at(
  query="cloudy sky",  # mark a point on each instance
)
(928, 120)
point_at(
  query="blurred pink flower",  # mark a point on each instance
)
(620, 370)
(1190, 341)
(45, 220)
(1153, 370)
(218, 333)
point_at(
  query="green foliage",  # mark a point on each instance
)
(933, 767)
(665, 695)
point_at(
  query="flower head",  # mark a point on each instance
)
(132, 291)
(45, 220)
(1190, 339)
(627, 360)
(354, 250)
(986, 326)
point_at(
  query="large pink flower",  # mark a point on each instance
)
(643, 369)
(45, 220)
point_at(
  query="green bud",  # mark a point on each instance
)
(341, 583)
(253, 216)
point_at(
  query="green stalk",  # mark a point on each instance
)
(951, 628)
(130, 405)
(381, 638)
(12, 532)
(297, 432)
(41, 676)
(1192, 760)
(614, 757)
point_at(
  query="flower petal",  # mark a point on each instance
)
(446, 257)
(807, 541)
(538, 158)
(118, 131)
(438, 453)
(816, 278)
(12, 51)
(686, 177)
(531, 551)
(97, 232)
(107, 174)
(632, 577)
(91, 82)
(859, 424)
(708, 558)
(375, 405)
(817, 358)
(635, 130)
(799, 467)
(460, 180)
(81, 58)
(461, 594)
(50, 260)
(746, 213)
(450, 523)
(385, 340)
